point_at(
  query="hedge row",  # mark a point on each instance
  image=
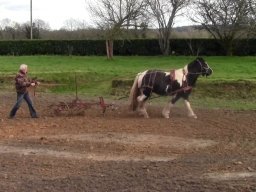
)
(126, 47)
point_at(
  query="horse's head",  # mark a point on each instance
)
(200, 67)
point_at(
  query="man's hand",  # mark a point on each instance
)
(35, 83)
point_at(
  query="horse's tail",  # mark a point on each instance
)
(134, 93)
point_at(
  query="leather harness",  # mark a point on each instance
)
(184, 87)
(149, 83)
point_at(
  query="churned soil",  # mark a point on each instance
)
(121, 151)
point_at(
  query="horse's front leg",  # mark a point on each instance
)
(167, 109)
(170, 104)
(190, 111)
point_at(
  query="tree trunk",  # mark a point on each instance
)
(228, 47)
(167, 48)
(164, 42)
(164, 46)
(229, 51)
(109, 49)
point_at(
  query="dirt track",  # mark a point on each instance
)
(124, 152)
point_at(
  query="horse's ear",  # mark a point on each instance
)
(200, 59)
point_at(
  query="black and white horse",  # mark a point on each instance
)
(177, 83)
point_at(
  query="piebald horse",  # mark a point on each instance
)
(177, 83)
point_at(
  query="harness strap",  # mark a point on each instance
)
(151, 80)
(172, 75)
(184, 79)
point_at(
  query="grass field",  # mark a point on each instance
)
(225, 68)
(237, 75)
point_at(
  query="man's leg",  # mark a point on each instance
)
(30, 106)
(17, 105)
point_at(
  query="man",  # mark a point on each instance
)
(21, 84)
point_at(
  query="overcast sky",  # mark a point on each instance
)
(53, 12)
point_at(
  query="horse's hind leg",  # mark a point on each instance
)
(142, 105)
(143, 110)
(166, 110)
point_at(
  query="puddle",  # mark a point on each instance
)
(139, 140)
(230, 176)
(89, 156)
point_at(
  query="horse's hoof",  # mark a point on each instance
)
(193, 116)
(166, 116)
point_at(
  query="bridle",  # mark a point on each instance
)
(202, 67)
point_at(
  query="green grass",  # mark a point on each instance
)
(95, 74)
(225, 68)
(224, 103)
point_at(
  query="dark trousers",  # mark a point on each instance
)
(20, 97)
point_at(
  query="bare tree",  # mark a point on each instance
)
(27, 31)
(252, 17)
(41, 24)
(11, 32)
(164, 12)
(225, 20)
(5, 23)
(114, 15)
(252, 5)
(38, 26)
(10, 29)
(71, 24)
(7, 29)
(41, 27)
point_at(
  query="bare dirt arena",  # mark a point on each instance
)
(123, 152)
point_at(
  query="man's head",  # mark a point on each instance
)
(24, 68)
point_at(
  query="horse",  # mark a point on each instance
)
(177, 83)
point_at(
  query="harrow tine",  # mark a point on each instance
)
(103, 105)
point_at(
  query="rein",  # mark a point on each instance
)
(184, 89)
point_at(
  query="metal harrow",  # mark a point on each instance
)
(77, 106)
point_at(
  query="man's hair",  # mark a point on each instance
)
(23, 67)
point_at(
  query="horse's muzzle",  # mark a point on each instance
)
(208, 72)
